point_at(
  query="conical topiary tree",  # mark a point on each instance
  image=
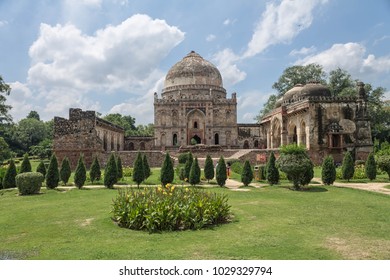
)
(95, 172)
(167, 173)
(348, 167)
(187, 166)
(119, 167)
(110, 172)
(80, 175)
(41, 168)
(26, 165)
(52, 174)
(208, 168)
(220, 172)
(194, 173)
(9, 176)
(272, 172)
(370, 167)
(65, 170)
(146, 167)
(328, 174)
(247, 173)
(138, 170)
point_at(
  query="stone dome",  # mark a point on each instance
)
(193, 70)
(292, 92)
(315, 89)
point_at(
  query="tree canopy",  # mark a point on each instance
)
(4, 90)
(128, 123)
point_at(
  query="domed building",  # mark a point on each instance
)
(193, 108)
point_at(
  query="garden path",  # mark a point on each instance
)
(372, 186)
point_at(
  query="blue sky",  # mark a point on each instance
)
(112, 55)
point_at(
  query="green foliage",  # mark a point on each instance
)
(272, 171)
(29, 182)
(52, 174)
(259, 172)
(194, 173)
(370, 167)
(188, 165)
(95, 172)
(41, 168)
(5, 152)
(119, 167)
(348, 167)
(26, 165)
(183, 158)
(9, 177)
(128, 124)
(169, 209)
(167, 173)
(138, 170)
(247, 174)
(110, 172)
(4, 88)
(297, 165)
(127, 171)
(383, 163)
(146, 167)
(65, 170)
(80, 175)
(237, 167)
(209, 168)
(328, 174)
(220, 172)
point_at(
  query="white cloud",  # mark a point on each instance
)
(3, 23)
(303, 51)
(281, 23)
(229, 21)
(19, 100)
(226, 62)
(211, 37)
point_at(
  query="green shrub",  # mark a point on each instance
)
(220, 172)
(259, 172)
(237, 167)
(194, 173)
(29, 182)
(348, 167)
(110, 172)
(95, 173)
(80, 175)
(272, 171)
(247, 173)
(119, 167)
(9, 176)
(2, 174)
(169, 209)
(384, 163)
(167, 173)
(146, 167)
(359, 172)
(52, 174)
(188, 165)
(208, 168)
(138, 170)
(26, 165)
(41, 168)
(127, 171)
(328, 174)
(370, 167)
(183, 158)
(65, 170)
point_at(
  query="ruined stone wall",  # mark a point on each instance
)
(155, 158)
(139, 143)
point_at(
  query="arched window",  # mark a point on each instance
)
(195, 124)
(216, 139)
(246, 144)
(174, 139)
(256, 144)
(131, 146)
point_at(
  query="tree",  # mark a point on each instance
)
(119, 167)
(95, 173)
(220, 172)
(65, 170)
(209, 168)
(267, 107)
(4, 90)
(341, 83)
(348, 167)
(41, 168)
(167, 173)
(110, 172)
(33, 115)
(295, 162)
(138, 170)
(384, 163)
(328, 174)
(9, 177)
(146, 167)
(247, 174)
(187, 166)
(26, 165)
(52, 174)
(194, 173)
(370, 167)
(5, 152)
(272, 171)
(29, 132)
(80, 175)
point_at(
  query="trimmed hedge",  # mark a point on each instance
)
(29, 182)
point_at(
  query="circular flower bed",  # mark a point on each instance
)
(169, 209)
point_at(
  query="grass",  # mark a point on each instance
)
(269, 223)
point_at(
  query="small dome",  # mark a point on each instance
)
(290, 93)
(193, 70)
(315, 89)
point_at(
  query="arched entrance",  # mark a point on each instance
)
(196, 139)
(196, 127)
(246, 144)
(216, 139)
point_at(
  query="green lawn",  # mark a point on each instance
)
(269, 223)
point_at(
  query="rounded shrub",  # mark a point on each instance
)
(29, 182)
(237, 167)
(247, 173)
(328, 174)
(41, 168)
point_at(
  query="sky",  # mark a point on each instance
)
(112, 55)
